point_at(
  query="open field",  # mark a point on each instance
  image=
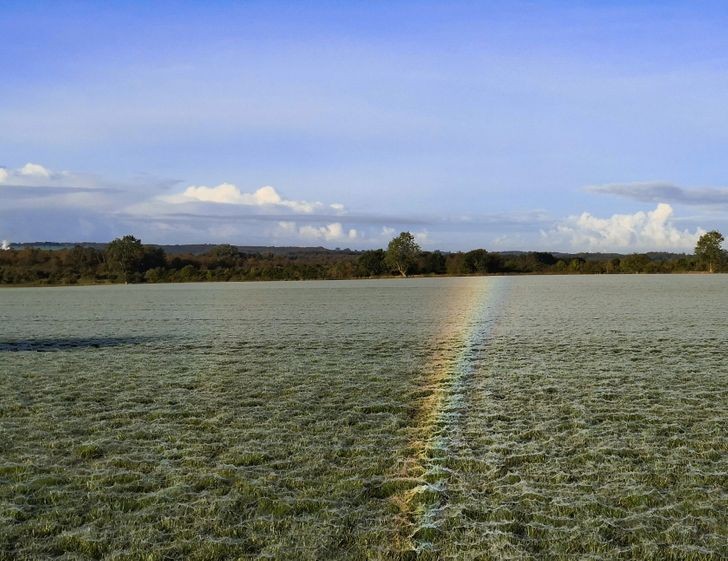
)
(462, 418)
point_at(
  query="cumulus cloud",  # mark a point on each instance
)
(34, 170)
(334, 232)
(330, 232)
(32, 175)
(656, 192)
(41, 203)
(641, 231)
(229, 194)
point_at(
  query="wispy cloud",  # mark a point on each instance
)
(38, 179)
(33, 187)
(40, 203)
(641, 231)
(657, 191)
(23, 191)
(33, 175)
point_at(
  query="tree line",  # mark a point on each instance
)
(127, 260)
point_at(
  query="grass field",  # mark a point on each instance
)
(519, 418)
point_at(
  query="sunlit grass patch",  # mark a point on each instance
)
(89, 451)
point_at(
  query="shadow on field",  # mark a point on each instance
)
(68, 343)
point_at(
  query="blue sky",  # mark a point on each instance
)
(504, 125)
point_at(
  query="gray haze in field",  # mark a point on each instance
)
(271, 419)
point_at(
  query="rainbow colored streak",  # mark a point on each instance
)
(474, 312)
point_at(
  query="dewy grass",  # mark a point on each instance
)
(295, 421)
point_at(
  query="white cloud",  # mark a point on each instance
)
(227, 193)
(386, 234)
(29, 175)
(331, 232)
(286, 227)
(34, 187)
(38, 202)
(334, 232)
(422, 238)
(34, 170)
(35, 175)
(641, 231)
(230, 194)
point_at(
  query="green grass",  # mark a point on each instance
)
(112, 473)
(289, 426)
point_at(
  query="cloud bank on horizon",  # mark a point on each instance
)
(227, 214)
(519, 125)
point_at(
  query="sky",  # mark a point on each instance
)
(561, 126)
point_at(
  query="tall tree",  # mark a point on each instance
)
(402, 253)
(125, 255)
(708, 250)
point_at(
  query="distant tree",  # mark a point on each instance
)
(480, 261)
(152, 258)
(475, 261)
(82, 260)
(29, 256)
(635, 263)
(224, 255)
(154, 275)
(613, 265)
(455, 264)
(708, 250)
(371, 263)
(432, 262)
(125, 255)
(402, 253)
(187, 273)
(576, 265)
(685, 264)
(341, 270)
(541, 259)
